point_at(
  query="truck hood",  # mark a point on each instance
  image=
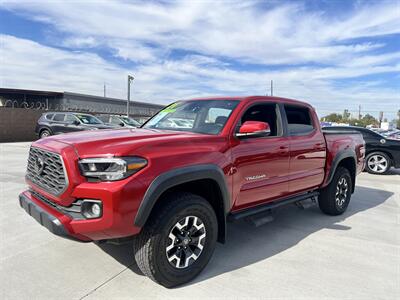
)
(119, 142)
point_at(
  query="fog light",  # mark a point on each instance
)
(91, 209)
(96, 209)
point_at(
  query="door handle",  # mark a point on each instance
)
(319, 146)
(283, 150)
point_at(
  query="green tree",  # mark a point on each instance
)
(333, 117)
(369, 120)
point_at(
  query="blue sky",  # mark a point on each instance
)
(333, 54)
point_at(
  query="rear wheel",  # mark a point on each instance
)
(178, 240)
(44, 133)
(334, 199)
(377, 163)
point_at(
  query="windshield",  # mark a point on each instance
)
(88, 119)
(130, 121)
(202, 116)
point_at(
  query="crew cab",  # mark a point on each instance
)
(174, 188)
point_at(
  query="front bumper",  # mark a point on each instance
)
(42, 217)
(68, 221)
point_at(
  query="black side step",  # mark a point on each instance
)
(271, 205)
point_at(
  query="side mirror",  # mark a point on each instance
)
(254, 128)
(76, 122)
(122, 124)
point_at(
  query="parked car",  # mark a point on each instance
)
(394, 135)
(391, 134)
(117, 120)
(56, 122)
(174, 187)
(381, 153)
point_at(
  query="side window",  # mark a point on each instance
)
(59, 117)
(70, 118)
(217, 115)
(299, 120)
(115, 120)
(49, 116)
(267, 113)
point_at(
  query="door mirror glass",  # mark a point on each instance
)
(254, 128)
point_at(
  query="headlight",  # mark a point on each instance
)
(110, 169)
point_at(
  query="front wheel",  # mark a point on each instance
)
(178, 240)
(377, 163)
(334, 199)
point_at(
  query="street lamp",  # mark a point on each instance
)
(130, 79)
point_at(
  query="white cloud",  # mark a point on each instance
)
(284, 33)
(223, 38)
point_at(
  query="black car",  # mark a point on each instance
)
(55, 123)
(381, 153)
(118, 120)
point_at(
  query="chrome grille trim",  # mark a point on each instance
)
(53, 178)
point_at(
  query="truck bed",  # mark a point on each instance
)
(343, 143)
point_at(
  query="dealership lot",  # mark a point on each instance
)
(302, 254)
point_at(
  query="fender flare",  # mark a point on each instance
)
(178, 176)
(343, 154)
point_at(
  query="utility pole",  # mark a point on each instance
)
(380, 118)
(359, 112)
(104, 90)
(272, 87)
(130, 79)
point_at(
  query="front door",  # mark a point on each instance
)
(261, 164)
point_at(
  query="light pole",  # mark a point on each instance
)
(130, 79)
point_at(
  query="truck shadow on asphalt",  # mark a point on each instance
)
(246, 244)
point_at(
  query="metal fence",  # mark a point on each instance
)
(135, 110)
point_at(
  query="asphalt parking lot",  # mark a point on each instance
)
(302, 254)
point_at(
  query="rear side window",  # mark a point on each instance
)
(217, 115)
(299, 120)
(49, 116)
(59, 117)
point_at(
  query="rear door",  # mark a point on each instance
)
(307, 148)
(57, 123)
(261, 163)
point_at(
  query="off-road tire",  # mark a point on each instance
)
(150, 245)
(328, 198)
(378, 155)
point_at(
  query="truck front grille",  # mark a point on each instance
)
(46, 170)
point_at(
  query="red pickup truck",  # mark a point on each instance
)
(174, 183)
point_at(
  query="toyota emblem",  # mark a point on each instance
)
(39, 165)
